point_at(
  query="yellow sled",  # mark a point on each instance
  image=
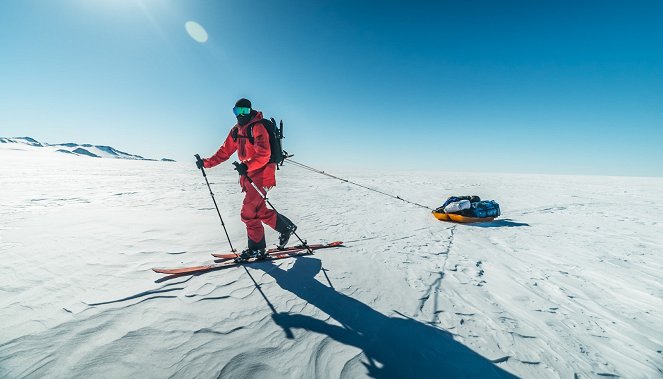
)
(459, 218)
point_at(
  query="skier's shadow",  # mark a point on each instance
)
(392, 346)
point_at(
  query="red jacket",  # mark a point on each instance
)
(256, 156)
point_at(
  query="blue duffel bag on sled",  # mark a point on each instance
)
(482, 209)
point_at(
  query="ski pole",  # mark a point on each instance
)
(264, 196)
(215, 205)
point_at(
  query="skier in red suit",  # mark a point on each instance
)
(255, 162)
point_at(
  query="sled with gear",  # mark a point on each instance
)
(467, 209)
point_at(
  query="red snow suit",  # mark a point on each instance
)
(256, 156)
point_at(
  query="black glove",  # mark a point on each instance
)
(199, 162)
(241, 168)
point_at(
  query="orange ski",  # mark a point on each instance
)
(291, 249)
(218, 266)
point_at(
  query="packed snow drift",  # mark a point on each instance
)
(566, 283)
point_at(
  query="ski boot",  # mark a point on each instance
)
(247, 254)
(284, 236)
(261, 254)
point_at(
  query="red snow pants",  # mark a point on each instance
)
(254, 213)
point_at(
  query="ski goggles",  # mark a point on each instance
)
(241, 111)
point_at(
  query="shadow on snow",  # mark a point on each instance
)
(392, 346)
(502, 223)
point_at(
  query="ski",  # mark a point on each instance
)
(273, 256)
(290, 249)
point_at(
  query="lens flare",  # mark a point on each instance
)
(196, 31)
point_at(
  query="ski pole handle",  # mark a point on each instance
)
(198, 159)
(237, 165)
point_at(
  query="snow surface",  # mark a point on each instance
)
(567, 283)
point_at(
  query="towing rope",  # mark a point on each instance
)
(301, 165)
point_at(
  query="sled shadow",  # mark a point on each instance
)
(395, 347)
(502, 223)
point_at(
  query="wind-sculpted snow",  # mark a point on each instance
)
(567, 283)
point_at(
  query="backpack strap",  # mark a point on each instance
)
(234, 132)
(249, 131)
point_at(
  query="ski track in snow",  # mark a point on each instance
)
(565, 284)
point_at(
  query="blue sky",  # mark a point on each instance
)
(569, 87)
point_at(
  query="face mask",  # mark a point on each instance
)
(243, 119)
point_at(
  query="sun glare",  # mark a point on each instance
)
(196, 31)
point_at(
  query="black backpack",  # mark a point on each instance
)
(278, 155)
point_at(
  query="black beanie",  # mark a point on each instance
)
(243, 103)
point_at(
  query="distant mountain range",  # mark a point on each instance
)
(86, 150)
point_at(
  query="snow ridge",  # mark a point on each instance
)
(72, 148)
